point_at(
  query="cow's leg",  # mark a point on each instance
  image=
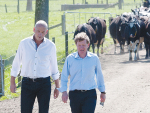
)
(98, 48)
(93, 47)
(138, 51)
(102, 41)
(140, 46)
(115, 42)
(135, 51)
(147, 48)
(130, 52)
(148, 51)
(121, 48)
(123, 43)
(130, 55)
(102, 51)
(141, 42)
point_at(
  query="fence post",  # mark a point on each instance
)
(66, 43)
(63, 24)
(6, 8)
(53, 39)
(18, 7)
(120, 4)
(1, 76)
(73, 1)
(107, 2)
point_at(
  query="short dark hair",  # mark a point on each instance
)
(81, 36)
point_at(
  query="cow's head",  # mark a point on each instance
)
(80, 28)
(132, 27)
(123, 25)
(93, 22)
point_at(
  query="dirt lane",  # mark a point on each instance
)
(127, 86)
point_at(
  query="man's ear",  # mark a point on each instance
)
(88, 44)
(34, 29)
(46, 31)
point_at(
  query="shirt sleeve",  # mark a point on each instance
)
(17, 61)
(64, 77)
(53, 63)
(99, 76)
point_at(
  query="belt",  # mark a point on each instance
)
(35, 79)
(83, 90)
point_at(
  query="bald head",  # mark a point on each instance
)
(41, 22)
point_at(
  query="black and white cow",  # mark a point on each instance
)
(132, 36)
(99, 26)
(89, 31)
(116, 29)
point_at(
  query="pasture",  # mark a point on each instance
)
(15, 27)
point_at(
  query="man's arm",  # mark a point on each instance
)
(15, 68)
(12, 85)
(100, 81)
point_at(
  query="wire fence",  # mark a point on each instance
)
(9, 6)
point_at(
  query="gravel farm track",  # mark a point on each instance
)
(127, 87)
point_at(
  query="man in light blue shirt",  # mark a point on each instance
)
(85, 76)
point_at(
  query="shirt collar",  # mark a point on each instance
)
(44, 40)
(87, 55)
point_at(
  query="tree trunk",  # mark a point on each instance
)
(29, 5)
(42, 11)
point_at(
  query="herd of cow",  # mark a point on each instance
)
(131, 28)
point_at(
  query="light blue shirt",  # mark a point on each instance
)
(85, 73)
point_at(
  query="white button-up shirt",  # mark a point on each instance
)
(36, 62)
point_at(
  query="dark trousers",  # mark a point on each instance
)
(40, 88)
(83, 102)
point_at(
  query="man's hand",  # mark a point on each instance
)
(12, 85)
(102, 97)
(13, 88)
(56, 93)
(64, 97)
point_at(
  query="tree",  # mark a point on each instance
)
(42, 11)
(29, 5)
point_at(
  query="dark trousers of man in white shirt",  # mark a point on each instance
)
(83, 101)
(40, 88)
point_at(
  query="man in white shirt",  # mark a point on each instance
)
(37, 56)
(86, 75)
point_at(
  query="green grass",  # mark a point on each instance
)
(15, 27)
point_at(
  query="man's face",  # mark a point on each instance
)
(40, 32)
(82, 47)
